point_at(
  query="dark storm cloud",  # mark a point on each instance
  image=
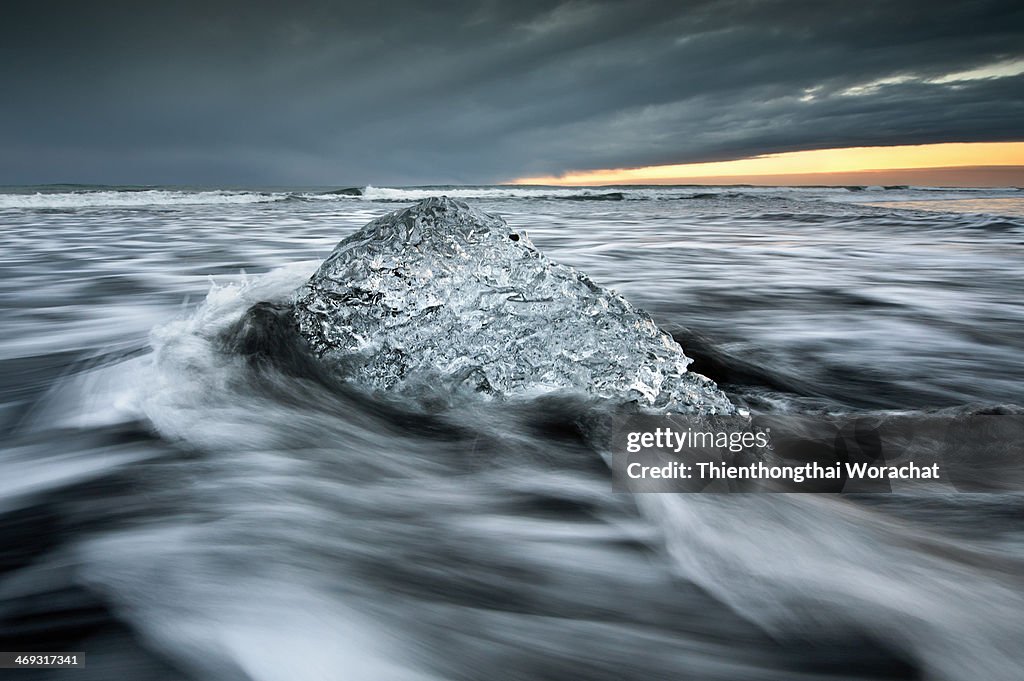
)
(416, 92)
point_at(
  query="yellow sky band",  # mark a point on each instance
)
(850, 159)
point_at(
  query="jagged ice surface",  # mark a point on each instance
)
(442, 295)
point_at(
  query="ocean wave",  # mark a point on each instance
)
(607, 193)
(855, 193)
(403, 194)
(71, 197)
(133, 198)
(141, 197)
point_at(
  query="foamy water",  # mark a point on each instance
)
(180, 513)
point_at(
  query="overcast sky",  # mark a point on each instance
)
(310, 92)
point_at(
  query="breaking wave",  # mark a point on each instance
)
(926, 198)
(142, 198)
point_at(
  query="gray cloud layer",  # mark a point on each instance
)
(314, 92)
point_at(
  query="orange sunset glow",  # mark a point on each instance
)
(959, 163)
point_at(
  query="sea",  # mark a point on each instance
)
(175, 512)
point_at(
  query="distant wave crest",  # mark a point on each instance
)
(142, 198)
(71, 197)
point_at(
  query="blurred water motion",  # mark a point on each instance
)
(180, 513)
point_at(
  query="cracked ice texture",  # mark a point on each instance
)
(442, 295)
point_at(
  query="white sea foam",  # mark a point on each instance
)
(145, 198)
(651, 193)
(113, 198)
(372, 193)
(635, 193)
(386, 543)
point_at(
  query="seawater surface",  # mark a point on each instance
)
(178, 512)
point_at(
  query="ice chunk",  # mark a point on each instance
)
(443, 295)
